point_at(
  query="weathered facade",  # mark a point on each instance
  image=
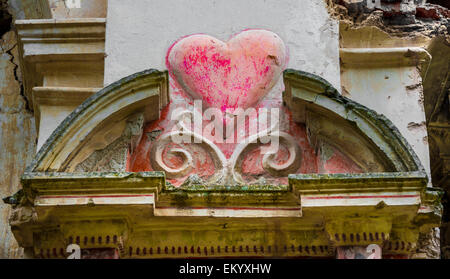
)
(101, 104)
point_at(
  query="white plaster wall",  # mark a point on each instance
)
(51, 117)
(139, 33)
(396, 93)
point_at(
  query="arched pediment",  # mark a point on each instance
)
(370, 139)
(122, 112)
(102, 119)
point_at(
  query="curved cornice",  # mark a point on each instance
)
(308, 92)
(140, 92)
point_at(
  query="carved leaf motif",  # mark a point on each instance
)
(114, 157)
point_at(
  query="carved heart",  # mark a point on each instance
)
(236, 74)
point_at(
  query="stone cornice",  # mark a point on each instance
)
(52, 95)
(49, 40)
(60, 28)
(355, 190)
(325, 184)
(385, 57)
(69, 184)
(122, 205)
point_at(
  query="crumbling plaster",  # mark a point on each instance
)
(405, 19)
(396, 92)
(402, 23)
(17, 137)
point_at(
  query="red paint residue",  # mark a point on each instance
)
(236, 74)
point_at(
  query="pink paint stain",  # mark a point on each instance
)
(236, 74)
(231, 75)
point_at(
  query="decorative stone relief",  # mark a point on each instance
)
(428, 245)
(236, 74)
(226, 123)
(114, 156)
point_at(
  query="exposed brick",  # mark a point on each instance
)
(427, 12)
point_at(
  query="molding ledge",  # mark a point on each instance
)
(386, 57)
(121, 206)
(46, 41)
(367, 189)
(55, 96)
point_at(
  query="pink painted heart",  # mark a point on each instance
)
(231, 75)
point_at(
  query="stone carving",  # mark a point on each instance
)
(227, 123)
(236, 74)
(114, 156)
(186, 167)
(428, 245)
(269, 164)
(226, 171)
(230, 76)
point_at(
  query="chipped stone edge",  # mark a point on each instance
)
(361, 181)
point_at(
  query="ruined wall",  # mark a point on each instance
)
(404, 23)
(17, 129)
(401, 18)
(436, 91)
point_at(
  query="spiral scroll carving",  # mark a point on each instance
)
(186, 167)
(268, 161)
(227, 171)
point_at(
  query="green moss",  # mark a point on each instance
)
(197, 188)
(181, 199)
